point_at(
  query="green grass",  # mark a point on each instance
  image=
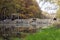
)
(45, 34)
(13, 38)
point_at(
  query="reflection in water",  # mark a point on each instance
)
(25, 23)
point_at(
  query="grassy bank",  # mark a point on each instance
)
(45, 34)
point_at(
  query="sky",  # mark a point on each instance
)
(47, 6)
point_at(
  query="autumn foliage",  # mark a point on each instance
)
(25, 8)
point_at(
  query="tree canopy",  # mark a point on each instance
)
(25, 8)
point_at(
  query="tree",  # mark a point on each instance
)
(28, 8)
(6, 8)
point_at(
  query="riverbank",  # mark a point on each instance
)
(45, 34)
